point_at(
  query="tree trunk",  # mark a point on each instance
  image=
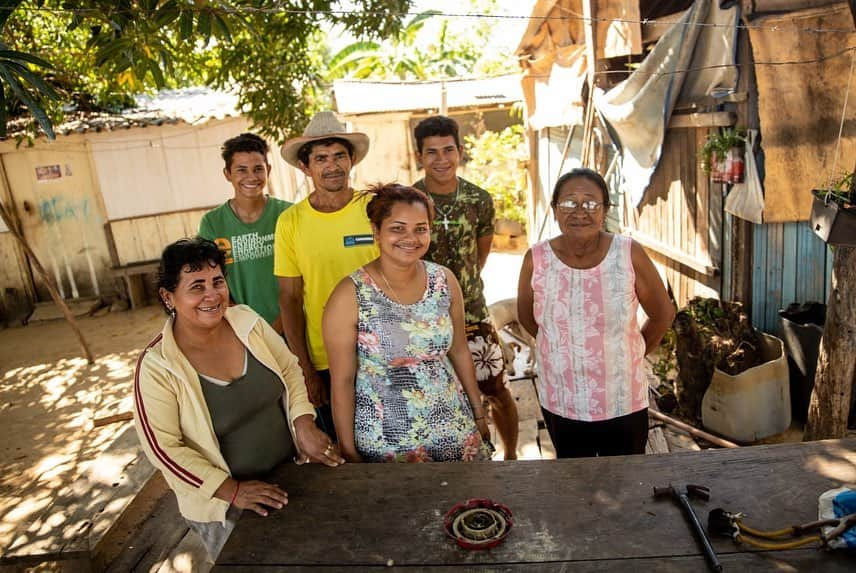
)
(37, 266)
(836, 365)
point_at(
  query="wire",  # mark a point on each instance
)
(470, 15)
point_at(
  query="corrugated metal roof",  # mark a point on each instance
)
(354, 96)
(194, 106)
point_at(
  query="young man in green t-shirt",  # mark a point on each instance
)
(243, 227)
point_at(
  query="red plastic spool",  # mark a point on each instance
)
(478, 523)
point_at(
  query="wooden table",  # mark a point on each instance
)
(594, 514)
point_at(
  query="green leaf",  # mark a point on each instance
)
(351, 49)
(41, 86)
(157, 74)
(203, 26)
(33, 106)
(185, 24)
(221, 28)
(23, 56)
(167, 14)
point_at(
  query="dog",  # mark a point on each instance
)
(519, 351)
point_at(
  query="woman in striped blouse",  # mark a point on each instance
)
(578, 294)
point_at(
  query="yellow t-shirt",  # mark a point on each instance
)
(323, 248)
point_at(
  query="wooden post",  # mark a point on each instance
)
(5, 214)
(590, 26)
(836, 364)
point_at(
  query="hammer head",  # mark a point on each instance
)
(690, 490)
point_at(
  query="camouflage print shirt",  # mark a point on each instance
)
(462, 217)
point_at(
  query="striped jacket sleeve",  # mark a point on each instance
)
(156, 418)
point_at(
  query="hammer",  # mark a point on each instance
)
(682, 498)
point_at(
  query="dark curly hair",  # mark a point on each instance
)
(247, 143)
(436, 126)
(193, 253)
(388, 194)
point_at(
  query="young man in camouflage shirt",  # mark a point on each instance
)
(460, 240)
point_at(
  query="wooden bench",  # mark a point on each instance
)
(134, 277)
(135, 245)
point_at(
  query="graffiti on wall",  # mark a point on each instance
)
(59, 208)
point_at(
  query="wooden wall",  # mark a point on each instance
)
(679, 220)
(790, 264)
(142, 239)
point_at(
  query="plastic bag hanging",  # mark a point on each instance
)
(746, 200)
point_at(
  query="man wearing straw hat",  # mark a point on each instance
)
(318, 242)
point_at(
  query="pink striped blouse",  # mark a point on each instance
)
(590, 349)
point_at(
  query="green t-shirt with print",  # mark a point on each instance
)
(461, 218)
(249, 254)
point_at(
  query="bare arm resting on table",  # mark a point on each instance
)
(340, 339)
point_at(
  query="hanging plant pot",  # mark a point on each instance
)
(722, 155)
(734, 166)
(833, 222)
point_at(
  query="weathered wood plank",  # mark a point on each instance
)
(794, 560)
(773, 295)
(711, 119)
(153, 540)
(811, 265)
(790, 268)
(565, 510)
(703, 191)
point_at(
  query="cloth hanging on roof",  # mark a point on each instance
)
(693, 59)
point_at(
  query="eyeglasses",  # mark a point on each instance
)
(571, 205)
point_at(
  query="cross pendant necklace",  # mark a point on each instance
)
(445, 212)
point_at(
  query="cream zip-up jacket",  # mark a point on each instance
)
(172, 418)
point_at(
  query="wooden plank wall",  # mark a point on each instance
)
(790, 264)
(680, 218)
(140, 239)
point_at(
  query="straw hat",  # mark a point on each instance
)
(323, 125)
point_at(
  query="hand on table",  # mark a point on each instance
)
(258, 496)
(313, 445)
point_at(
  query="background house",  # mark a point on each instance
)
(113, 190)
(388, 112)
(722, 75)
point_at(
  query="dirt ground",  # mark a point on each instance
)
(49, 398)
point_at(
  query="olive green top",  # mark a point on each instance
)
(249, 420)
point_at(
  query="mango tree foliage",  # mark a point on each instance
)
(58, 55)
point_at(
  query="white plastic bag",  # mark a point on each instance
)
(746, 200)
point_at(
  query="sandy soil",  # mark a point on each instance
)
(49, 398)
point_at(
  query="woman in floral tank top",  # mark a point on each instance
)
(403, 384)
(578, 295)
